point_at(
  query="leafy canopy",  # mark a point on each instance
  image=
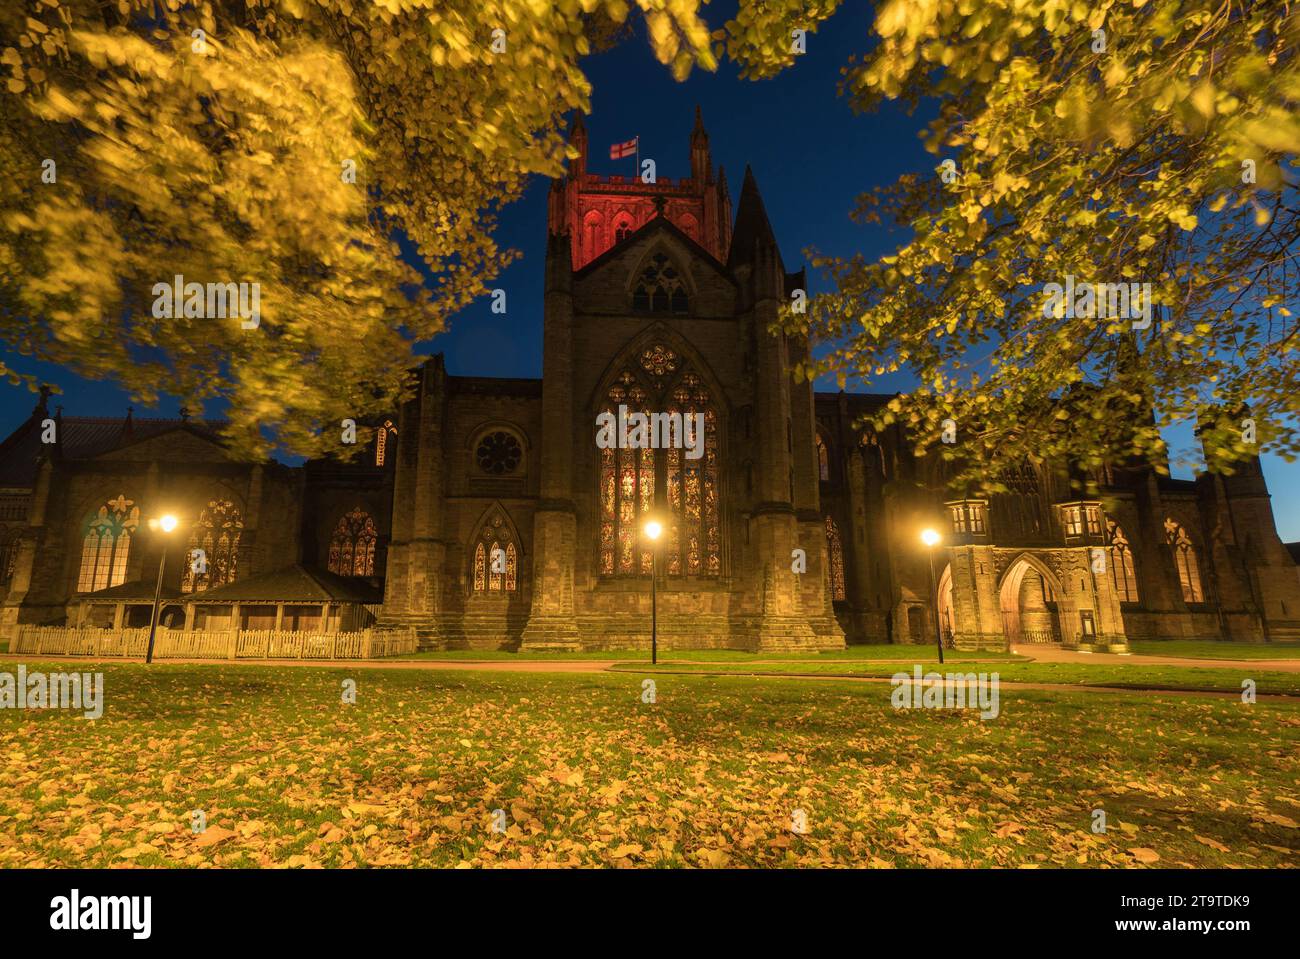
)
(1115, 142)
(222, 156)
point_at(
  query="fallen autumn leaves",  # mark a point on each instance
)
(710, 775)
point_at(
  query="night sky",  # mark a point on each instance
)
(810, 154)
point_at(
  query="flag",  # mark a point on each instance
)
(619, 150)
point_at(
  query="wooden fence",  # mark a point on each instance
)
(215, 644)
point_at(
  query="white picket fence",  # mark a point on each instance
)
(215, 644)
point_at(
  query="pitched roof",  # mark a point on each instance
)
(137, 589)
(84, 437)
(659, 222)
(293, 584)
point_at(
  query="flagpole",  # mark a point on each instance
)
(636, 172)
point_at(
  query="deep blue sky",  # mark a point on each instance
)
(810, 154)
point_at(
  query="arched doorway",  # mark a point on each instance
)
(947, 624)
(1028, 598)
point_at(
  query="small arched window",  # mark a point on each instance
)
(352, 547)
(835, 559)
(107, 544)
(622, 228)
(382, 440)
(591, 236)
(1122, 569)
(660, 288)
(1189, 573)
(823, 460)
(496, 559)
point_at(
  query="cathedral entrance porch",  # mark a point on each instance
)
(1029, 603)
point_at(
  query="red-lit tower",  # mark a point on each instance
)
(599, 211)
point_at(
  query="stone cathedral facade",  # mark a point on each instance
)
(486, 515)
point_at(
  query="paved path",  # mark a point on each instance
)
(1058, 654)
(1013, 684)
(491, 665)
(604, 665)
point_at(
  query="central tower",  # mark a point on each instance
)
(599, 211)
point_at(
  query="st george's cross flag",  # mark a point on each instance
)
(619, 150)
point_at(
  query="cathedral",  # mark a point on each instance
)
(485, 513)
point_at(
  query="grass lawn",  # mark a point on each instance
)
(710, 774)
(880, 651)
(1212, 649)
(1118, 672)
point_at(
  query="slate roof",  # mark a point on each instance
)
(138, 589)
(293, 584)
(84, 437)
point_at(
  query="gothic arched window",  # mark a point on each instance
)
(823, 460)
(694, 536)
(352, 547)
(107, 544)
(627, 482)
(381, 441)
(591, 235)
(622, 228)
(1121, 565)
(660, 289)
(1020, 510)
(216, 533)
(1189, 574)
(835, 559)
(664, 383)
(496, 560)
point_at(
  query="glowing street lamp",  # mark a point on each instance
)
(167, 524)
(930, 537)
(653, 530)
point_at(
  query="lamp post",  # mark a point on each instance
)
(930, 538)
(166, 524)
(653, 530)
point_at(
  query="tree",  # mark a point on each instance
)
(286, 145)
(1082, 144)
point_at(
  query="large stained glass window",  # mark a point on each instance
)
(496, 560)
(688, 487)
(694, 546)
(627, 489)
(217, 533)
(1189, 574)
(352, 547)
(107, 544)
(1121, 564)
(835, 557)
